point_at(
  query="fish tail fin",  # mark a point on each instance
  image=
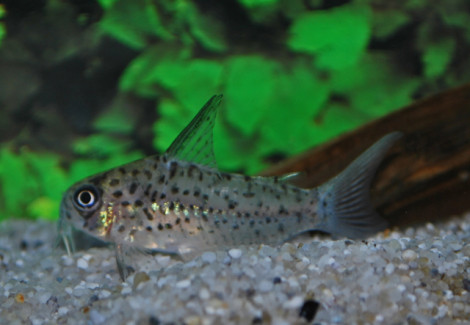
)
(345, 200)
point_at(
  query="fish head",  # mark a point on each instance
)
(87, 206)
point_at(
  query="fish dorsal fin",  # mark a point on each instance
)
(195, 143)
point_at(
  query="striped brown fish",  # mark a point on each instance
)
(179, 203)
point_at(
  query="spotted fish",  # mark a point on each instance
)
(179, 203)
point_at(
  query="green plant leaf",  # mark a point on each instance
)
(132, 22)
(173, 118)
(100, 145)
(374, 86)
(437, 57)
(289, 125)
(257, 3)
(28, 178)
(386, 22)
(207, 30)
(249, 90)
(337, 37)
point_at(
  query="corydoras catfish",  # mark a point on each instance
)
(179, 203)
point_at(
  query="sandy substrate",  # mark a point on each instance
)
(420, 276)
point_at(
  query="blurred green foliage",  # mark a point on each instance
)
(289, 83)
(2, 27)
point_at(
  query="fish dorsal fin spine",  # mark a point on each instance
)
(195, 143)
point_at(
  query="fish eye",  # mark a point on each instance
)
(86, 197)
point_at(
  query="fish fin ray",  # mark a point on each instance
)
(195, 143)
(345, 199)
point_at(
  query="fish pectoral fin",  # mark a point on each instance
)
(345, 199)
(195, 143)
(123, 256)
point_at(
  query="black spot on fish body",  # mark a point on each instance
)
(185, 192)
(201, 176)
(121, 228)
(235, 226)
(148, 228)
(191, 169)
(117, 194)
(122, 170)
(161, 179)
(147, 190)
(173, 168)
(252, 223)
(148, 173)
(148, 214)
(135, 172)
(174, 189)
(260, 204)
(247, 178)
(133, 188)
(99, 179)
(154, 196)
(155, 166)
(125, 203)
(257, 232)
(132, 216)
(197, 192)
(226, 176)
(160, 226)
(171, 206)
(248, 194)
(177, 221)
(138, 203)
(157, 158)
(187, 220)
(205, 197)
(114, 182)
(162, 196)
(282, 210)
(217, 192)
(280, 228)
(232, 204)
(268, 220)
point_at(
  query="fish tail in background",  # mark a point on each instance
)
(345, 200)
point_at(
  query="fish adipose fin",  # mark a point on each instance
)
(345, 199)
(195, 143)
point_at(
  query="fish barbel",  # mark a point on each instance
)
(179, 203)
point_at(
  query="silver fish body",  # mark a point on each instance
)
(174, 204)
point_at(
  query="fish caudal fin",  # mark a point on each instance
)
(345, 200)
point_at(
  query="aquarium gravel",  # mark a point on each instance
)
(416, 276)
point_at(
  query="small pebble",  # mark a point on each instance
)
(409, 255)
(235, 253)
(82, 263)
(209, 257)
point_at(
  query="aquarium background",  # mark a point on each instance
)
(89, 85)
